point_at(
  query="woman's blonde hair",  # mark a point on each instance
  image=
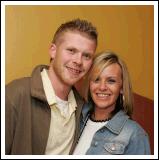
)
(103, 60)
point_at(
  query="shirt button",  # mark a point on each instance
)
(96, 143)
(113, 148)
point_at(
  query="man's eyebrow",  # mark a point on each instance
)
(73, 48)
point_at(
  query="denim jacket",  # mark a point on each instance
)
(120, 135)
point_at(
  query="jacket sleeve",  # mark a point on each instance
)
(10, 122)
(139, 144)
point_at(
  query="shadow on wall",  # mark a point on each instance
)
(144, 114)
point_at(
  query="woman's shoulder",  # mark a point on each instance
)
(135, 127)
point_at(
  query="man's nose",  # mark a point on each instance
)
(78, 59)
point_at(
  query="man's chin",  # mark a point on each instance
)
(72, 81)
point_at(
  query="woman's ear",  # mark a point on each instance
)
(52, 51)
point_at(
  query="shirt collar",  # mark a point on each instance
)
(72, 100)
(50, 93)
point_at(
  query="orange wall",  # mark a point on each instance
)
(127, 30)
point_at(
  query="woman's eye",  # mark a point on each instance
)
(96, 80)
(111, 81)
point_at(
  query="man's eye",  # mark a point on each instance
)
(71, 50)
(87, 56)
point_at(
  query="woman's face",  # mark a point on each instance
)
(107, 87)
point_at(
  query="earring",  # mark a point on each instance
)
(122, 99)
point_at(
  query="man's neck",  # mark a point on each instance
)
(61, 89)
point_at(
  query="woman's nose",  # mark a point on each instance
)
(103, 86)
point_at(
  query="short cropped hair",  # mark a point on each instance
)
(77, 25)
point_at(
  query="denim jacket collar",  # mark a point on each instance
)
(117, 122)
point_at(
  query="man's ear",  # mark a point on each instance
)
(52, 51)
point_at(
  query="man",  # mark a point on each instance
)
(42, 111)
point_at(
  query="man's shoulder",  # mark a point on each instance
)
(21, 83)
(39, 68)
(24, 81)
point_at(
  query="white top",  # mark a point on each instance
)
(62, 106)
(87, 135)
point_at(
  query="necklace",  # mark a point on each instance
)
(92, 118)
(103, 120)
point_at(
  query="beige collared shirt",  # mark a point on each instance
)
(62, 125)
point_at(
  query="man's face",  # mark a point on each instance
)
(72, 57)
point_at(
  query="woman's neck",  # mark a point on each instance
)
(102, 113)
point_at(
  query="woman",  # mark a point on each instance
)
(106, 124)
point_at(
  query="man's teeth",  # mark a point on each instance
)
(74, 70)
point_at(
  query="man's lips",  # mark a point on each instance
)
(74, 70)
